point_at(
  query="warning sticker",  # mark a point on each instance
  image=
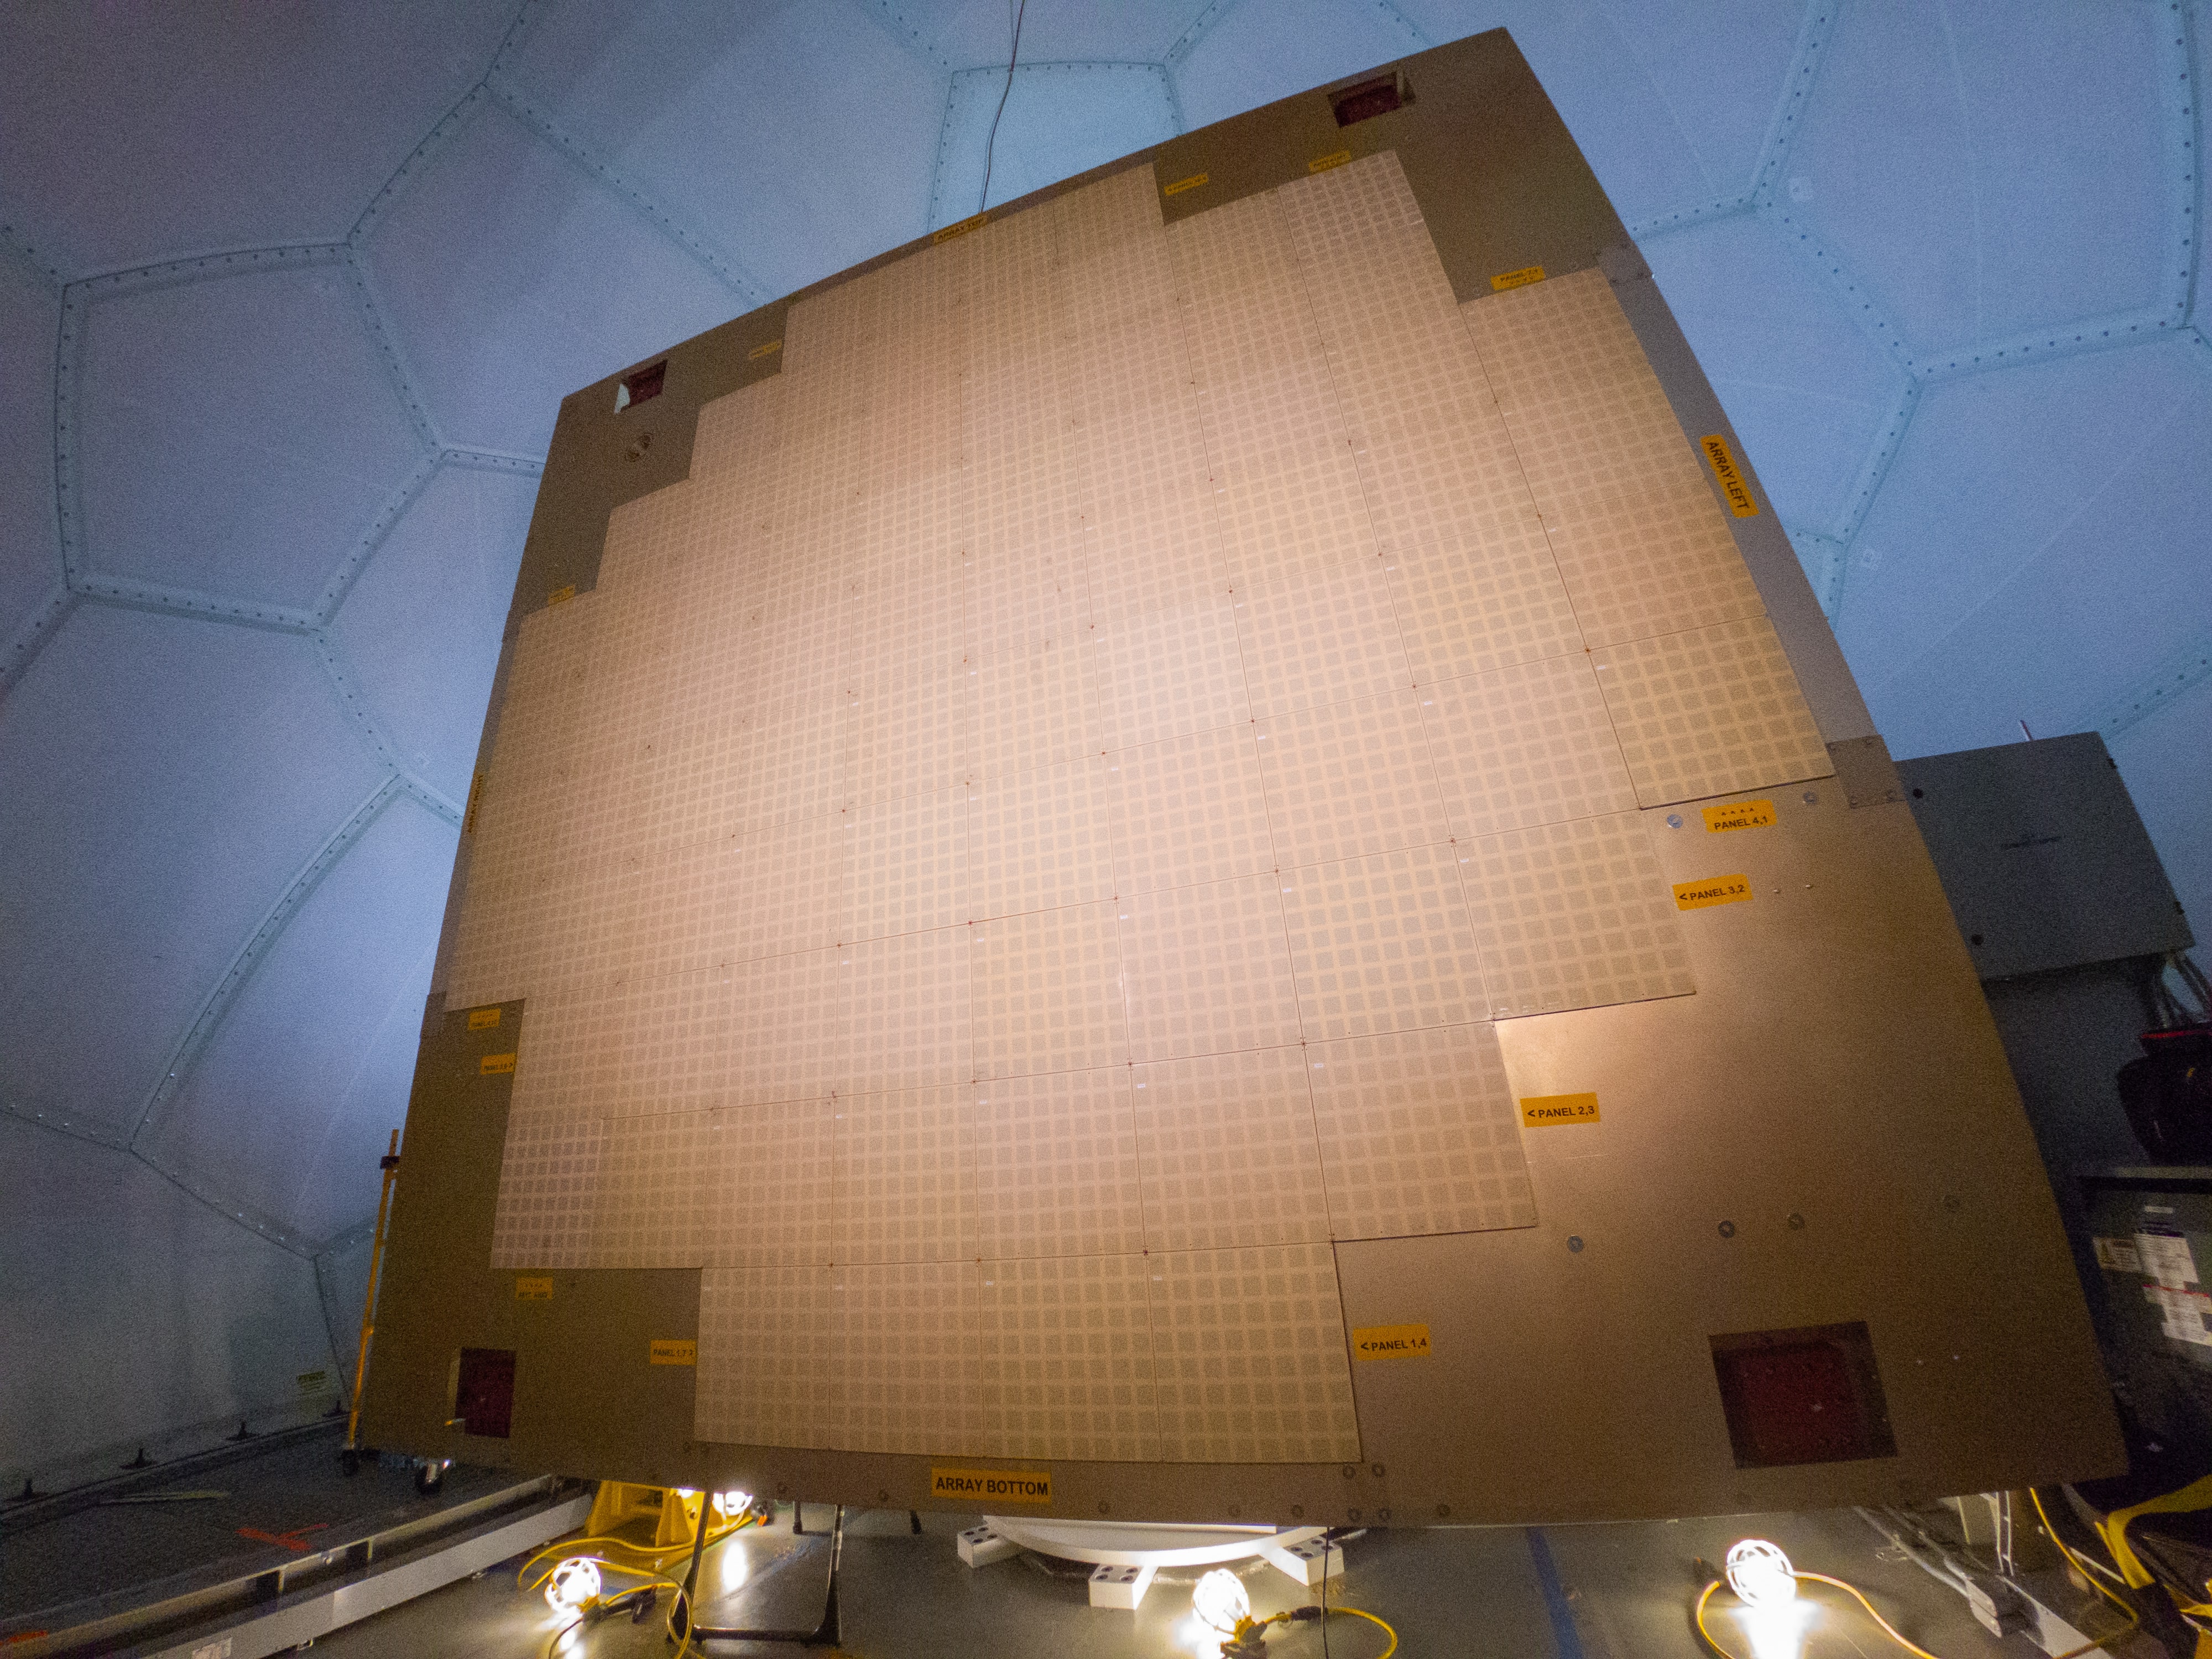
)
(1717, 889)
(1323, 163)
(494, 1064)
(1743, 815)
(973, 221)
(674, 1351)
(1520, 278)
(561, 595)
(998, 1485)
(2184, 1315)
(1734, 485)
(1183, 184)
(533, 1289)
(761, 352)
(1390, 1342)
(2165, 1257)
(482, 1019)
(1549, 1111)
(2118, 1255)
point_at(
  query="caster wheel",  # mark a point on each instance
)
(349, 1462)
(430, 1478)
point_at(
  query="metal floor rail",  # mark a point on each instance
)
(279, 1608)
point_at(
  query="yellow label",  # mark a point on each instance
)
(674, 1351)
(561, 595)
(494, 1064)
(469, 815)
(482, 1019)
(533, 1289)
(1731, 476)
(1520, 278)
(1717, 889)
(1390, 1342)
(313, 1381)
(761, 352)
(1550, 1111)
(1323, 163)
(962, 228)
(1183, 184)
(1743, 815)
(998, 1485)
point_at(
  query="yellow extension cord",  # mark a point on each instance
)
(2096, 1580)
(565, 1550)
(1250, 1624)
(1897, 1637)
(584, 1611)
(1357, 1613)
(565, 1547)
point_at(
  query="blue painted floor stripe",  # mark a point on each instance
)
(1568, 1644)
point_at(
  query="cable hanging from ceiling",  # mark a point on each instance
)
(991, 143)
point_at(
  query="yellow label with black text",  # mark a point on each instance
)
(674, 1351)
(494, 1064)
(997, 1486)
(1183, 184)
(1323, 163)
(1734, 485)
(1390, 1342)
(1550, 1111)
(1520, 278)
(1740, 815)
(561, 595)
(1717, 889)
(973, 221)
(533, 1289)
(482, 1019)
(761, 352)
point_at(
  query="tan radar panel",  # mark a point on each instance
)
(1198, 840)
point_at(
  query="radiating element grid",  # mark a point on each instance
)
(1021, 851)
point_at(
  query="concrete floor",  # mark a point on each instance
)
(78, 1557)
(1591, 1592)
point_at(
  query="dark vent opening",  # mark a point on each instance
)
(1808, 1395)
(1370, 98)
(484, 1401)
(641, 386)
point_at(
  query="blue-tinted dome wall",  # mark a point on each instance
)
(287, 302)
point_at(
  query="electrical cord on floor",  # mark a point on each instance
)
(566, 1547)
(599, 1607)
(1250, 1627)
(1357, 1614)
(2083, 1566)
(1890, 1630)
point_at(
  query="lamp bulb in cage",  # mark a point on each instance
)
(1220, 1600)
(574, 1582)
(1760, 1574)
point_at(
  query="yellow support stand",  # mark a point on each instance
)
(679, 1520)
(390, 1164)
(675, 1513)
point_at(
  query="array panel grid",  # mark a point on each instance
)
(1022, 849)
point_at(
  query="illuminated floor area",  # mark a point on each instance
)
(1593, 1592)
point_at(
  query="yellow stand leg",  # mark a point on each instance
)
(390, 1166)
